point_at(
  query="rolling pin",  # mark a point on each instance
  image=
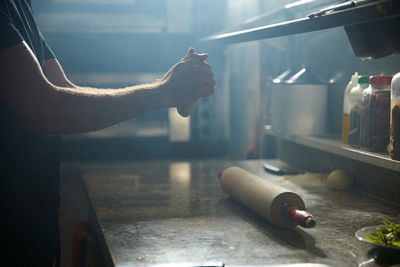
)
(283, 208)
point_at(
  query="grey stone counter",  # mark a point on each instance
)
(161, 212)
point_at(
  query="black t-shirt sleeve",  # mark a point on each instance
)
(9, 34)
(47, 52)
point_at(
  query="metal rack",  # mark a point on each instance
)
(358, 12)
(368, 12)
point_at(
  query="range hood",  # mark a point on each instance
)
(371, 25)
(377, 38)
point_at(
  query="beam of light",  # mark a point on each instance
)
(298, 3)
(297, 75)
(124, 2)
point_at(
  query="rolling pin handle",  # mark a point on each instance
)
(309, 222)
(302, 217)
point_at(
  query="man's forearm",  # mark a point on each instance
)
(93, 108)
(46, 108)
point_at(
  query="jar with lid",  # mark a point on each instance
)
(375, 114)
(394, 144)
(355, 110)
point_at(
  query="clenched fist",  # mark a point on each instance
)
(188, 80)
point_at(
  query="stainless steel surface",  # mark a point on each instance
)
(351, 16)
(163, 212)
(299, 105)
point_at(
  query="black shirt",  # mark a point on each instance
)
(29, 163)
(17, 24)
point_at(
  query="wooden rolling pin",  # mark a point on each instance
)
(278, 205)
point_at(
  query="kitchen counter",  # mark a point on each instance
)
(164, 212)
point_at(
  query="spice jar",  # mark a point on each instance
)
(375, 114)
(394, 144)
(355, 110)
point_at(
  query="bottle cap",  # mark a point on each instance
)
(380, 80)
(363, 79)
(355, 76)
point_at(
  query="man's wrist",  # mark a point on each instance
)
(163, 95)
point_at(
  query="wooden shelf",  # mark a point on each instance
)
(375, 11)
(336, 147)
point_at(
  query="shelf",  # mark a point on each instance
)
(336, 147)
(376, 11)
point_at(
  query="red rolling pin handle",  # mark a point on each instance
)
(302, 217)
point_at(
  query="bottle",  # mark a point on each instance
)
(394, 144)
(346, 108)
(355, 110)
(375, 114)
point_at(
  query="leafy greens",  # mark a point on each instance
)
(388, 235)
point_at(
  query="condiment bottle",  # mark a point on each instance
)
(355, 110)
(375, 114)
(394, 144)
(346, 108)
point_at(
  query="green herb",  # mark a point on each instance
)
(388, 235)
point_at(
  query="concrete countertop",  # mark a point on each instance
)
(164, 212)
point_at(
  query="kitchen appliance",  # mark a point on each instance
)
(298, 104)
(372, 39)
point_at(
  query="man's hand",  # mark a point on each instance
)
(189, 79)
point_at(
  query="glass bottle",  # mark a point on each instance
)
(394, 144)
(375, 114)
(355, 110)
(346, 108)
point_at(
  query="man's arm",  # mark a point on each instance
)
(50, 109)
(55, 73)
